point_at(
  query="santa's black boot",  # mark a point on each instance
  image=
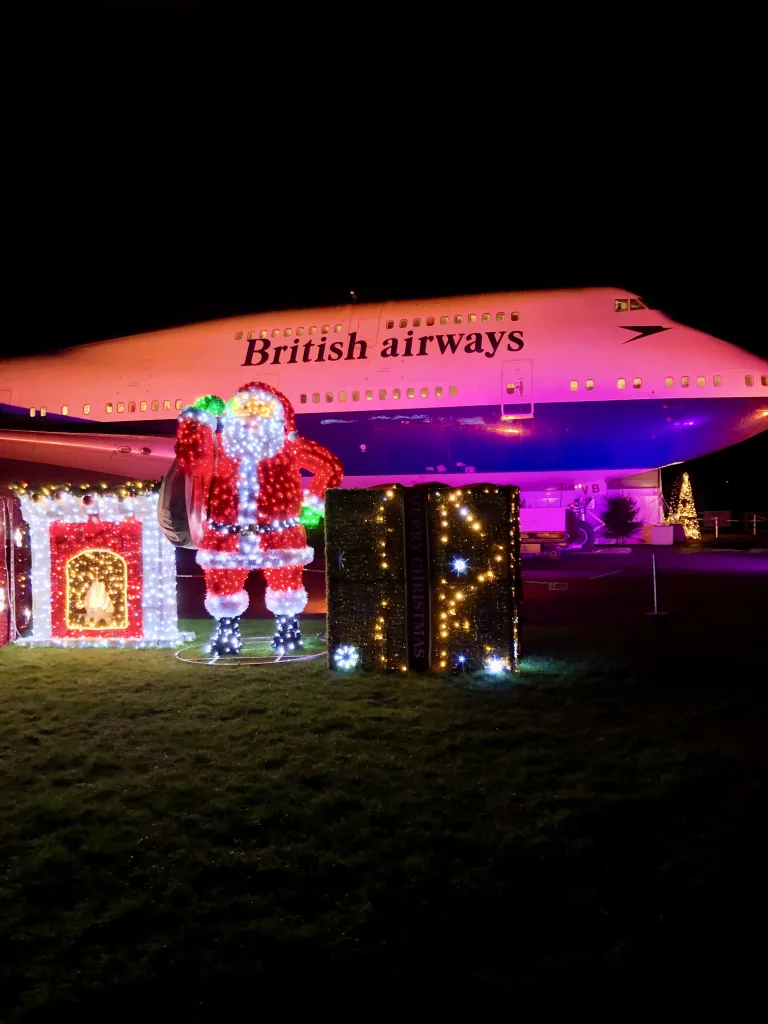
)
(287, 638)
(226, 638)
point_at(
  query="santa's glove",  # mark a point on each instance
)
(312, 510)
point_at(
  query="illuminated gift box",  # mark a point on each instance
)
(423, 577)
(103, 573)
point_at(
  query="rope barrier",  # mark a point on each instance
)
(546, 583)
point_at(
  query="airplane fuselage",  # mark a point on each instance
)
(539, 389)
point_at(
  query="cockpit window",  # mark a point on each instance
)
(620, 305)
(634, 304)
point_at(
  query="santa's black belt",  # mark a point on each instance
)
(244, 531)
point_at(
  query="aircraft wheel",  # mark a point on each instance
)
(585, 537)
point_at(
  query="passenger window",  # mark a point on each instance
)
(430, 321)
(251, 334)
(43, 410)
(499, 316)
(634, 304)
(303, 399)
(621, 383)
(342, 396)
(179, 404)
(120, 407)
(325, 328)
(486, 317)
(262, 334)
(239, 335)
(287, 332)
(637, 382)
(382, 394)
(453, 391)
(749, 380)
(514, 316)
(275, 332)
(337, 329)
(574, 385)
(438, 392)
(313, 330)
(329, 396)
(403, 323)
(396, 392)
(65, 410)
(443, 319)
(410, 393)
(717, 380)
(701, 382)
(685, 382)
(316, 397)
(589, 384)
(424, 392)
(764, 381)
(108, 407)
(669, 382)
(457, 319)
(87, 408)
(299, 330)
(32, 412)
(155, 405)
(167, 405)
(620, 305)
(472, 317)
(132, 407)
(369, 396)
(390, 324)
(355, 396)
(417, 321)
(143, 406)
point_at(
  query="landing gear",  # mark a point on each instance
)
(226, 638)
(287, 637)
(584, 536)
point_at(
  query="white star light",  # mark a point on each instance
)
(346, 657)
(459, 566)
(496, 666)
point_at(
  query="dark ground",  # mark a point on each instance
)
(190, 843)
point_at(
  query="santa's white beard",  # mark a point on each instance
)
(248, 442)
(261, 441)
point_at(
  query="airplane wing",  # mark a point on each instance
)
(131, 456)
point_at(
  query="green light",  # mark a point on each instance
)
(212, 404)
(310, 516)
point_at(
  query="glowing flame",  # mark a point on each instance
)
(98, 604)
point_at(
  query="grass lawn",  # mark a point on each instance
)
(184, 843)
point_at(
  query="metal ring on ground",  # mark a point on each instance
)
(247, 658)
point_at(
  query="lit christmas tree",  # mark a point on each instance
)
(683, 509)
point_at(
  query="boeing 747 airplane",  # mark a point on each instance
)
(559, 392)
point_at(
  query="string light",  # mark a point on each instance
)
(474, 624)
(103, 574)
(244, 458)
(684, 509)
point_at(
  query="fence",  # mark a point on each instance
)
(745, 523)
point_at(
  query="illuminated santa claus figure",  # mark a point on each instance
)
(247, 506)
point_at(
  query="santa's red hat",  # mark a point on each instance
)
(288, 411)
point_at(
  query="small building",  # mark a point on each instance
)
(103, 573)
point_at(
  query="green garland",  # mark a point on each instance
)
(129, 489)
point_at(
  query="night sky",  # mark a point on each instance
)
(169, 170)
